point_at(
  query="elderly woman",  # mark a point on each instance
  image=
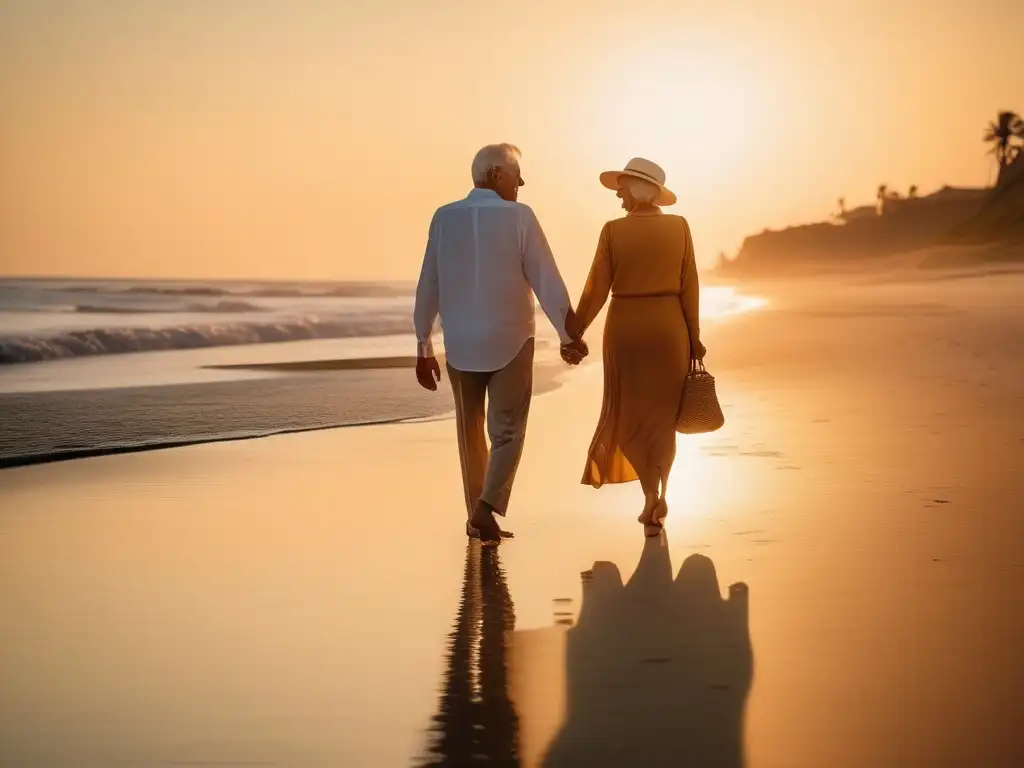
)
(645, 261)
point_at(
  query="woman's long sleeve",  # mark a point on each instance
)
(690, 290)
(599, 284)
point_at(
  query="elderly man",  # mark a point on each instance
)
(486, 256)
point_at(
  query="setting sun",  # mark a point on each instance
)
(698, 111)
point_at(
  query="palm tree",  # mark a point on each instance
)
(913, 191)
(1002, 134)
(842, 206)
(883, 193)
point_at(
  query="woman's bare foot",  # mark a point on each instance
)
(649, 515)
(654, 513)
(661, 511)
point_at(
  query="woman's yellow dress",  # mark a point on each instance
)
(646, 262)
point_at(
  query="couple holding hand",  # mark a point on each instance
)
(486, 258)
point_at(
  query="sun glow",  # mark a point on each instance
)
(718, 301)
(696, 114)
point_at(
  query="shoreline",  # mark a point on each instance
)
(332, 364)
(29, 460)
(359, 386)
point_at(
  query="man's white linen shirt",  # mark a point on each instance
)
(485, 259)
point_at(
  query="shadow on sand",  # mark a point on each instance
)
(655, 672)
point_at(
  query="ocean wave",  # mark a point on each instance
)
(113, 341)
(368, 291)
(352, 290)
(197, 290)
(219, 307)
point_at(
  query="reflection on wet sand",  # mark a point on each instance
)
(476, 722)
(655, 672)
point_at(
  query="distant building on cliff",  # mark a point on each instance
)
(864, 212)
(891, 204)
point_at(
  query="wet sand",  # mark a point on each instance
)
(290, 397)
(310, 600)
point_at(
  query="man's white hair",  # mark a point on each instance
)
(494, 156)
(643, 191)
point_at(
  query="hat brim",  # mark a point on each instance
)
(612, 180)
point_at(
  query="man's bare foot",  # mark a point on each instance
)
(473, 533)
(485, 524)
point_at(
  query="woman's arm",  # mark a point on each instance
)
(689, 295)
(595, 292)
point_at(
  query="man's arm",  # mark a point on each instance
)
(424, 314)
(543, 275)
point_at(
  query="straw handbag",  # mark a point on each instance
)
(699, 410)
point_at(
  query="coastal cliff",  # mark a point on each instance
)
(894, 226)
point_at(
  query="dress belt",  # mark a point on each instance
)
(644, 295)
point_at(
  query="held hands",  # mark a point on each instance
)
(574, 352)
(428, 372)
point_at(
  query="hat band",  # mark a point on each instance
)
(649, 178)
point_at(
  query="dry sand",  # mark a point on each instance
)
(289, 601)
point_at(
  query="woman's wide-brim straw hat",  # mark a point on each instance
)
(641, 169)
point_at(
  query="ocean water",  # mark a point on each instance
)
(61, 319)
(97, 366)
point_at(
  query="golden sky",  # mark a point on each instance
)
(314, 138)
